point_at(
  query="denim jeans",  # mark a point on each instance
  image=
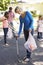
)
(39, 36)
(5, 34)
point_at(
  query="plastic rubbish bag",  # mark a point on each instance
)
(9, 34)
(30, 44)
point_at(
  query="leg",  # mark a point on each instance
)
(38, 35)
(28, 54)
(26, 34)
(32, 31)
(5, 34)
(41, 35)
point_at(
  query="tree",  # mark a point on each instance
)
(4, 4)
(15, 1)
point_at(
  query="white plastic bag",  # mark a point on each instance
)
(30, 44)
(9, 34)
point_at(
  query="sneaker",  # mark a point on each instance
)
(6, 44)
(40, 39)
(26, 60)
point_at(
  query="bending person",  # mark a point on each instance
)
(27, 20)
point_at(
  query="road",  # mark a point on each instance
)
(8, 54)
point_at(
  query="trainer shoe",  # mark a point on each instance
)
(26, 60)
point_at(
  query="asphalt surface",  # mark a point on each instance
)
(8, 54)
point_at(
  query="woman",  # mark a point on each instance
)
(26, 18)
(5, 26)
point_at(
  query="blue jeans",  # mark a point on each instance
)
(26, 35)
(5, 34)
(39, 36)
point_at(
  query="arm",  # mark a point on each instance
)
(2, 18)
(13, 15)
(20, 28)
(31, 20)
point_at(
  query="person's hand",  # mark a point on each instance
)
(30, 30)
(16, 36)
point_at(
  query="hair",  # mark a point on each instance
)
(10, 8)
(5, 14)
(16, 9)
(40, 16)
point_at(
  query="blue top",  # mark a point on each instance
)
(28, 22)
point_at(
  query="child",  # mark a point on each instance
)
(5, 26)
(40, 27)
(10, 19)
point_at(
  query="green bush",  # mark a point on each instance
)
(34, 14)
(4, 5)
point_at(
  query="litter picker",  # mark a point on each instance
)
(17, 46)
